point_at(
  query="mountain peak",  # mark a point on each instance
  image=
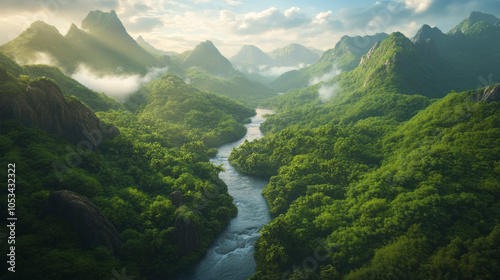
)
(478, 16)
(475, 24)
(40, 26)
(206, 56)
(426, 32)
(102, 22)
(250, 54)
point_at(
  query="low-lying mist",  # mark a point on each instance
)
(327, 92)
(269, 71)
(117, 86)
(325, 77)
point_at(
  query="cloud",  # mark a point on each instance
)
(143, 24)
(118, 86)
(326, 93)
(276, 71)
(418, 5)
(260, 22)
(325, 77)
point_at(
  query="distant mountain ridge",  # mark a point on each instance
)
(151, 49)
(345, 56)
(292, 55)
(103, 45)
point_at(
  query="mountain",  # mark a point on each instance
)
(293, 55)
(208, 58)
(42, 104)
(69, 86)
(150, 48)
(104, 46)
(345, 56)
(467, 54)
(251, 55)
(40, 40)
(475, 23)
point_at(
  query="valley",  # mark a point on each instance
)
(377, 158)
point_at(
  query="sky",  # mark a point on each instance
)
(180, 25)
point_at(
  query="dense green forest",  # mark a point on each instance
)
(164, 146)
(406, 193)
(373, 177)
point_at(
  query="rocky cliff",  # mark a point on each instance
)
(42, 104)
(85, 218)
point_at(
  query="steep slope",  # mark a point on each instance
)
(345, 56)
(476, 23)
(151, 49)
(293, 55)
(208, 58)
(395, 65)
(468, 53)
(42, 104)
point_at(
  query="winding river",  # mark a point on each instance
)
(231, 254)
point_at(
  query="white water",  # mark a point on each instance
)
(231, 254)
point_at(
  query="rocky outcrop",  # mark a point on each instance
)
(43, 105)
(85, 218)
(187, 235)
(489, 94)
(176, 197)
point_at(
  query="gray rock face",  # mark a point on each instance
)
(44, 106)
(490, 94)
(187, 235)
(176, 197)
(85, 218)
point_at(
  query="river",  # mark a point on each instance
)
(231, 254)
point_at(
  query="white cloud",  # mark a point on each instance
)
(326, 93)
(325, 77)
(118, 86)
(418, 5)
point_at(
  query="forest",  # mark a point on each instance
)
(164, 145)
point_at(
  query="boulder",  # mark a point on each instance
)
(85, 218)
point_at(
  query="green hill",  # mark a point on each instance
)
(239, 88)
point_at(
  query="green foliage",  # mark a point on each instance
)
(395, 187)
(162, 148)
